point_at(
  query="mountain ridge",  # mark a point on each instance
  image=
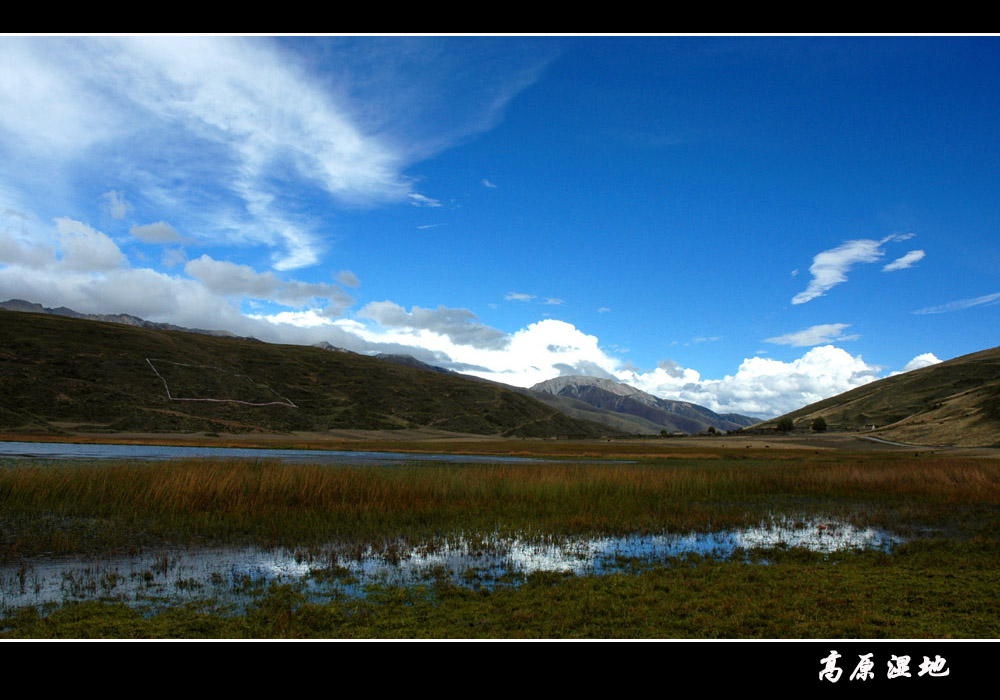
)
(60, 373)
(125, 319)
(653, 413)
(951, 403)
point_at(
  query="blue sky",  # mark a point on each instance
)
(749, 223)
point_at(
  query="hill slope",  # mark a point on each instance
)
(58, 372)
(628, 408)
(956, 402)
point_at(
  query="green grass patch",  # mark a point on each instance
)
(941, 583)
(859, 596)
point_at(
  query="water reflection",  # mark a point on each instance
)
(238, 574)
(65, 450)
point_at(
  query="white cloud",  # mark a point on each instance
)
(553, 301)
(348, 279)
(233, 280)
(118, 206)
(452, 338)
(908, 260)
(172, 257)
(960, 304)
(419, 200)
(86, 249)
(816, 335)
(221, 144)
(30, 254)
(761, 387)
(830, 267)
(920, 361)
(518, 296)
(160, 232)
(460, 326)
(487, 183)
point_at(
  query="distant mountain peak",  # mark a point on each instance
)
(572, 383)
(656, 413)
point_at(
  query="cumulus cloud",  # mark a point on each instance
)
(231, 279)
(461, 326)
(210, 297)
(960, 304)
(582, 369)
(908, 260)
(761, 387)
(830, 267)
(816, 335)
(160, 232)
(348, 279)
(920, 361)
(671, 367)
(85, 249)
(20, 252)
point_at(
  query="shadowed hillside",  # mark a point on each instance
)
(951, 403)
(60, 373)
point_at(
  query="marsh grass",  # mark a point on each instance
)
(856, 596)
(941, 583)
(87, 507)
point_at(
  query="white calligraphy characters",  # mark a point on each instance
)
(898, 666)
(831, 672)
(864, 668)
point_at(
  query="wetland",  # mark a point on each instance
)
(707, 544)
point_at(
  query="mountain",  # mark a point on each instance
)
(126, 319)
(59, 373)
(956, 402)
(410, 361)
(622, 405)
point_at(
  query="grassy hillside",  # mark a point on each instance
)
(60, 373)
(952, 403)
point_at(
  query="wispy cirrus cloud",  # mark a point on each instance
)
(518, 296)
(228, 152)
(419, 200)
(830, 267)
(908, 260)
(960, 304)
(118, 206)
(815, 335)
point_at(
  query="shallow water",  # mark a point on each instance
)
(61, 450)
(236, 575)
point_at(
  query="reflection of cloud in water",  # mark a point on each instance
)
(234, 573)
